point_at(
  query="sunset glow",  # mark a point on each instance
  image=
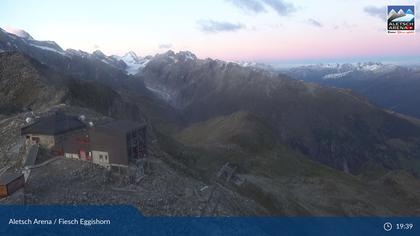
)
(225, 29)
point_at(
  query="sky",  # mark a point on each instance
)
(267, 31)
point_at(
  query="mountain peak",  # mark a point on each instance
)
(186, 55)
(133, 62)
(131, 54)
(99, 54)
(169, 53)
(130, 57)
(19, 32)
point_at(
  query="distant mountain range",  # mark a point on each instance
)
(389, 86)
(20, 40)
(303, 148)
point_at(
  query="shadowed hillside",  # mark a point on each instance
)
(334, 126)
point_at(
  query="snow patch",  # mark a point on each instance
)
(256, 65)
(371, 67)
(47, 48)
(341, 70)
(133, 62)
(134, 68)
(130, 58)
(336, 75)
(77, 53)
(376, 67)
(19, 32)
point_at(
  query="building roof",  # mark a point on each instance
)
(58, 123)
(6, 178)
(121, 126)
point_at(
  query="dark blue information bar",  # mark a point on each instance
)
(127, 220)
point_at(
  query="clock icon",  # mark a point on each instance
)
(387, 226)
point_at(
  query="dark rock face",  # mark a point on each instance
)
(102, 99)
(25, 85)
(335, 127)
(28, 85)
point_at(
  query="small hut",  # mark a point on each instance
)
(10, 183)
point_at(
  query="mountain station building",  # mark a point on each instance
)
(112, 144)
(49, 131)
(116, 143)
